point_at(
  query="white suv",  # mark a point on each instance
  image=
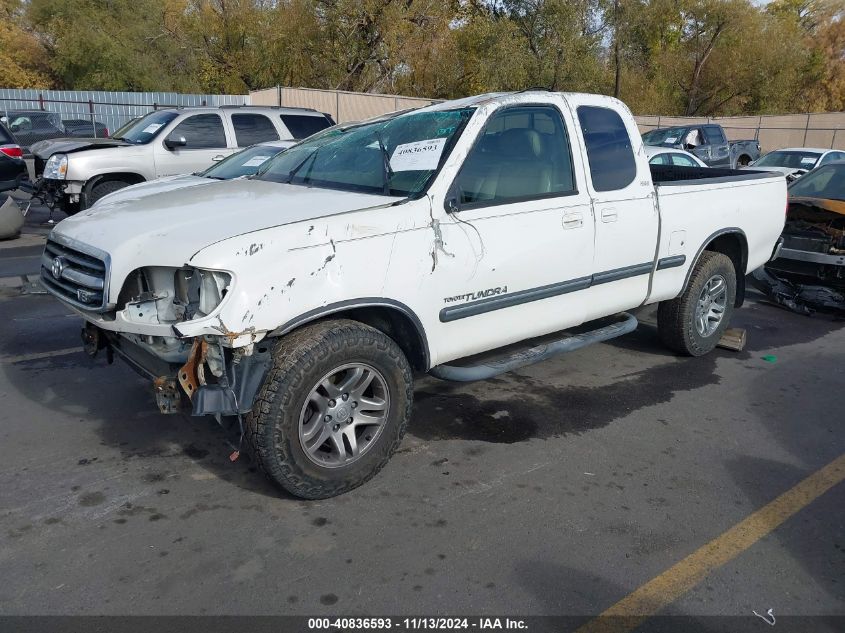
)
(74, 173)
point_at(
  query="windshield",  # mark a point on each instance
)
(146, 128)
(666, 136)
(397, 156)
(825, 182)
(243, 163)
(793, 160)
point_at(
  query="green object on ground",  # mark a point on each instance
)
(769, 358)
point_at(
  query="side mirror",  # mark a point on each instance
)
(451, 204)
(172, 142)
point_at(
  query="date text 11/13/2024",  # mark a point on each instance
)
(416, 624)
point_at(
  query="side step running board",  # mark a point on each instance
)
(521, 358)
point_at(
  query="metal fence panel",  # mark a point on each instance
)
(816, 129)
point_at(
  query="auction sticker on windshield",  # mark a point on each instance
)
(418, 156)
(255, 161)
(152, 127)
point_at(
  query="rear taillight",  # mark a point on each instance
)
(12, 150)
(107, 131)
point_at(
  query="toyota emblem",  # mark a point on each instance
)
(57, 267)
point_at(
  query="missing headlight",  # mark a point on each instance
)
(171, 295)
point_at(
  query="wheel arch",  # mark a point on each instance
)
(133, 178)
(732, 243)
(390, 317)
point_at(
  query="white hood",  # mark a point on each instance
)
(786, 171)
(168, 228)
(159, 185)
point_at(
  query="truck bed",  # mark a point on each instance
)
(677, 175)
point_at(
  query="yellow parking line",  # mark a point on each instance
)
(658, 593)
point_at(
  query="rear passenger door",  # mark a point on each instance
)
(205, 142)
(626, 219)
(716, 147)
(251, 128)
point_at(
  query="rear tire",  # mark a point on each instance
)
(104, 189)
(291, 415)
(693, 323)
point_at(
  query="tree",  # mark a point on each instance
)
(23, 61)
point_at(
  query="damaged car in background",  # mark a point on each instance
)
(301, 301)
(794, 162)
(808, 273)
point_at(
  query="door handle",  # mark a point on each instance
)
(608, 215)
(573, 220)
(217, 158)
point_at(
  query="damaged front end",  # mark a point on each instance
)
(808, 273)
(207, 371)
(215, 380)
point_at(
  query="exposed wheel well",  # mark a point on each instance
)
(734, 245)
(397, 323)
(129, 177)
(743, 159)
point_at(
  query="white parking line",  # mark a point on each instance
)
(22, 358)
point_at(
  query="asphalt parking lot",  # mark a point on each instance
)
(559, 489)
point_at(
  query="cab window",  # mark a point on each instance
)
(523, 153)
(609, 151)
(201, 131)
(253, 128)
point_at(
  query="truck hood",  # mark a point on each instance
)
(45, 149)
(168, 228)
(159, 185)
(834, 206)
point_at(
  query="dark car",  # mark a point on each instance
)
(708, 142)
(12, 166)
(809, 270)
(31, 126)
(84, 128)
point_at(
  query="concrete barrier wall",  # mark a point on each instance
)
(343, 106)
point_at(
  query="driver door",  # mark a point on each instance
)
(516, 245)
(204, 143)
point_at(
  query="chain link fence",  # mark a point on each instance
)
(36, 115)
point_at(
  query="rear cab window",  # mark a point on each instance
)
(609, 150)
(251, 128)
(302, 126)
(714, 135)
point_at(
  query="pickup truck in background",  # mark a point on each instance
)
(708, 142)
(302, 300)
(85, 128)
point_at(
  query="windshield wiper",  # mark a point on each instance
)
(386, 169)
(294, 171)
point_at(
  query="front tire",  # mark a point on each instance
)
(693, 323)
(332, 410)
(103, 189)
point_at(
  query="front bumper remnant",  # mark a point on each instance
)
(231, 393)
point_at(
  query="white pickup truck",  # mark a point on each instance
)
(303, 298)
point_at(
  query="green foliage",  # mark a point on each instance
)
(701, 57)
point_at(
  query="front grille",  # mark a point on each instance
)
(72, 274)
